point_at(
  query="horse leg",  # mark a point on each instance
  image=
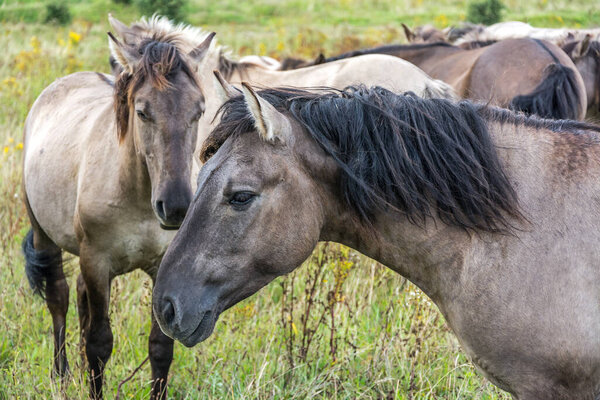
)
(98, 337)
(57, 299)
(43, 265)
(84, 314)
(160, 349)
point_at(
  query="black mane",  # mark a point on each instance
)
(403, 152)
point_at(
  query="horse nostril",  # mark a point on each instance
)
(160, 210)
(168, 312)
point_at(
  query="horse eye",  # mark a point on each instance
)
(142, 115)
(198, 116)
(241, 198)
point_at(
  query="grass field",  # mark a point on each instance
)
(369, 333)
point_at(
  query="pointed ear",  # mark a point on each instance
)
(123, 54)
(199, 52)
(270, 123)
(122, 30)
(224, 89)
(410, 36)
(320, 59)
(582, 47)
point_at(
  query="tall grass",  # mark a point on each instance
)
(364, 332)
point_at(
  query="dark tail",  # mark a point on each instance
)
(40, 265)
(557, 96)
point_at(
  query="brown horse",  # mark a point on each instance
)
(106, 165)
(527, 75)
(494, 215)
(586, 56)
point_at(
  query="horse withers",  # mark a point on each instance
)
(107, 169)
(494, 215)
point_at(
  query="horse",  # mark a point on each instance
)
(107, 177)
(493, 214)
(517, 29)
(527, 75)
(493, 33)
(583, 52)
(586, 57)
(389, 72)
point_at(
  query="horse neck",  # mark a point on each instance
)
(434, 252)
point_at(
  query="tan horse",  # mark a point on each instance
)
(492, 214)
(106, 165)
(526, 75)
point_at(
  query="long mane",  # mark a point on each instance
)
(402, 152)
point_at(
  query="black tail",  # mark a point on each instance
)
(557, 96)
(40, 265)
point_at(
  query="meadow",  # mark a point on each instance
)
(340, 327)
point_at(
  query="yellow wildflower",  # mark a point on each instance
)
(6, 149)
(441, 20)
(19, 146)
(36, 44)
(262, 49)
(11, 140)
(294, 329)
(74, 37)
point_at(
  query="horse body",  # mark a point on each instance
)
(514, 269)
(501, 73)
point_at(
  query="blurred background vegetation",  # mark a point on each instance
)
(341, 327)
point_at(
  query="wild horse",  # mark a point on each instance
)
(494, 215)
(107, 164)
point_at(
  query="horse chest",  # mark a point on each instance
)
(141, 250)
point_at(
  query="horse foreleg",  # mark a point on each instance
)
(160, 349)
(98, 337)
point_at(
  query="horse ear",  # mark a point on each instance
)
(582, 47)
(199, 52)
(122, 30)
(270, 123)
(123, 54)
(320, 59)
(410, 36)
(224, 89)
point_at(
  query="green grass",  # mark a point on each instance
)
(391, 342)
